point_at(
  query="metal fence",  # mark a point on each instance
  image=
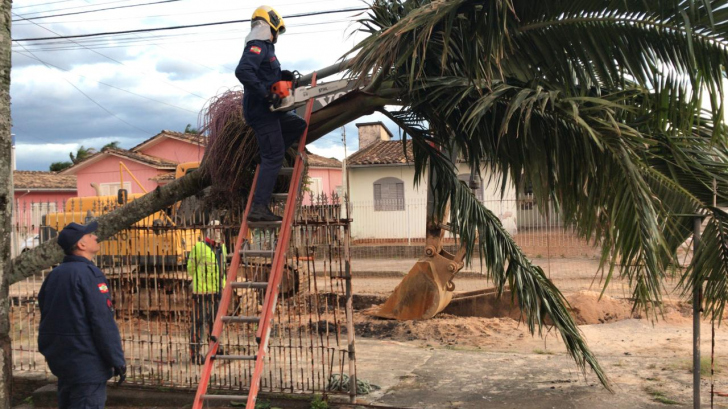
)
(539, 233)
(312, 334)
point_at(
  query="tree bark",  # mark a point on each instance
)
(6, 200)
(323, 121)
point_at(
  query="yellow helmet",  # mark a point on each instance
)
(274, 20)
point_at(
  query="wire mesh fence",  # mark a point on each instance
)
(164, 332)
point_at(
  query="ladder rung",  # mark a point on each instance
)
(244, 320)
(280, 196)
(237, 357)
(257, 253)
(225, 397)
(250, 284)
(285, 171)
(264, 225)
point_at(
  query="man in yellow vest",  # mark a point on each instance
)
(206, 266)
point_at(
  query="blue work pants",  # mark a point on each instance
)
(81, 395)
(275, 133)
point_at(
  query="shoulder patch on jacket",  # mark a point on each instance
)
(255, 49)
(103, 288)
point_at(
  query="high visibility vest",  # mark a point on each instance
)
(206, 268)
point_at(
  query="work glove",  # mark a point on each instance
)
(120, 371)
(287, 76)
(273, 99)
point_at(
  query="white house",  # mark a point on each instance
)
(386, 204)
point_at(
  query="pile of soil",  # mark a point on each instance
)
(499, 333)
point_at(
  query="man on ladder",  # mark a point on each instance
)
(275, 132)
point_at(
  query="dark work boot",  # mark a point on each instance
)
(261, 213)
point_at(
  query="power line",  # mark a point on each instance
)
(41, 4)
(146, 30)
(97, 10)
(78, 7)
(102, 43)
(114, 60)
(196, 13)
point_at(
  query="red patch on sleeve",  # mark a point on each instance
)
(103, 288)
(255, 49)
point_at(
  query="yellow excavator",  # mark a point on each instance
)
(428, 289)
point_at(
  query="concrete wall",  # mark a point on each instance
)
(409, 223)
(107, 171)
(176, 151)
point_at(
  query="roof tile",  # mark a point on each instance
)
(24, 179)
(382, 153)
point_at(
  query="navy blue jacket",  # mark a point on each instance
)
(78, 335)
(258, 70)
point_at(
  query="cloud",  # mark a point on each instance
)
(180, 70)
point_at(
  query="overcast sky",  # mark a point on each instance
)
(127, 88)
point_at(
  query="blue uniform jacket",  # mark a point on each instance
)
(258, 70)
(78, 335)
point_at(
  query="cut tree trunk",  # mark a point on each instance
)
(6, 201)
(324, 121)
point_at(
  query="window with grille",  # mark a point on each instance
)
(388, 195)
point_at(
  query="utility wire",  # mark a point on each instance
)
(196, 13)
(101, 43)
(78, 7)
(40, 4)
(97, 10)
(114, 60)
(97, 104)
(146, 30)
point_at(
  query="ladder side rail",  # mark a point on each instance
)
(276, 275)
(227, 293)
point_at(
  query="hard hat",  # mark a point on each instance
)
(274, 20)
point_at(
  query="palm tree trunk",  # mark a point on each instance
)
(6, 200)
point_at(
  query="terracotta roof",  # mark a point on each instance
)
(382, 153)
(192, 138)
(153, 161)
(316, 161)
(36, 180)
(164, 177)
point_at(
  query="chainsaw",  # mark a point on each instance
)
(293, 96)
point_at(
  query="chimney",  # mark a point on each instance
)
(371, 132)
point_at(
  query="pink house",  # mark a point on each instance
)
(324, 176)
(35, 195)
(139, 169)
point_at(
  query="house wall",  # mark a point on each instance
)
(107, 171)
(370, 224)
(330, 181)
(410, 222)
(28, 210)
(175, 151)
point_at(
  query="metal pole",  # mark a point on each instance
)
(697, 302)
(349, 313)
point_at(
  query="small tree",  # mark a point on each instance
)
(59, 166)
(81, 154)
(190, 129)
(111, 145)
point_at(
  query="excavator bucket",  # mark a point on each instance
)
(423, 292)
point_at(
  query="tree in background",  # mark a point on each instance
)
(111, 145)
(59, 166)
(81, 154)
(190, 129)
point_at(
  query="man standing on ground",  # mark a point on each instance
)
(275, 132)
(206, 266)
(78, 335)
